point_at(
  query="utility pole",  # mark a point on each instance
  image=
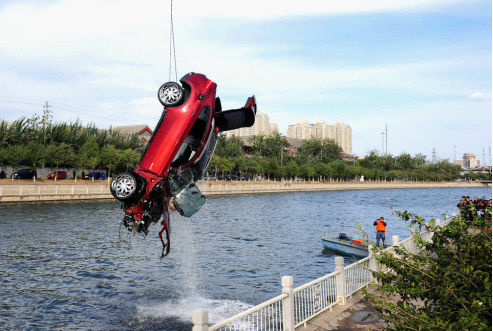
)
(383, 149)
(46, 114)
(489, 161)
(386, 145)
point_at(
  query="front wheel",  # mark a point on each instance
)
(127, 186)
(170, 94)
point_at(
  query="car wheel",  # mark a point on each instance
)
(127, 186)
(170, 94)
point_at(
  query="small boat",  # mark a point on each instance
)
(344, 244)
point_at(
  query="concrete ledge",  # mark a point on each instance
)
(53, 197)
(66, 191)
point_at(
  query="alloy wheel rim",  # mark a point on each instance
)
(170, 94)
(124, 186)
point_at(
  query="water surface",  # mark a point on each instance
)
(69, 266)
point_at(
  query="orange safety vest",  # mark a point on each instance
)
(380, 226)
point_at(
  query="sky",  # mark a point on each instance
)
(421, 68)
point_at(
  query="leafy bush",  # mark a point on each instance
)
(447, 286)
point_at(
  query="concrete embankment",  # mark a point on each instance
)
(66, 190)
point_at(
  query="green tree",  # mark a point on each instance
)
(221, 164)
(229, 147)
(128, 159)
(271, 167)
(11, 155)
(308, 171)
(339, 169)
(254, 166)
(447, 286)
(60, 154)
(90, 155)
(318, 150)
(404, 162)
(110, 158)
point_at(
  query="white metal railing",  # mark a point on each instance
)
(295, 307)
(266, 316)
(358, 275)
(315, 297)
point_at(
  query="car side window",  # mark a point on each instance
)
(193, 141)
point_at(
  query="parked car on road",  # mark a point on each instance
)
(211, 177)
(60, 174)
(245, 177)
(24, 173)
(231, 177)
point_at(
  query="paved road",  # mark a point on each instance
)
(356, 315)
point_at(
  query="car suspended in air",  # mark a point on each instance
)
(177, 154)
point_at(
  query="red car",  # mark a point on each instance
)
(177, 154)
(59, 175)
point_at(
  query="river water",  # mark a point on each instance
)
(69, 266)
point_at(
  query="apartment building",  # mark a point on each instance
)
(339, 131)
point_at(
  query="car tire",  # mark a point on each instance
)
(170, 94)
(127, 187)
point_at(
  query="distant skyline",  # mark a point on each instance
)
(424, 68)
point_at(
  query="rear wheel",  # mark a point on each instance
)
(127, 186)
(170, 94)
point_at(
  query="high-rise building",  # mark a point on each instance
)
(261, 126)
(340, 132)
(344, 137)
(469, 160)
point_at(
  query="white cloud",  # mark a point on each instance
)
(478, 96)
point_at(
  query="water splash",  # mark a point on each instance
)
(219, 310)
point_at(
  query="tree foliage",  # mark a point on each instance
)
(28, 142)
(320, 159)
(447, 286)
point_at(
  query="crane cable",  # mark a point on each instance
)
(172, 49)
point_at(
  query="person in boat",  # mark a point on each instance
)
(381, 228)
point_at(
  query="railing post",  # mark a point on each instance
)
(395, 243)
(431, 233)
(395, 240)
(340, 281)
(372, 263)
(200, 319)
(288, 303)
(20, 191)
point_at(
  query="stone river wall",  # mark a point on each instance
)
(66, 190)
